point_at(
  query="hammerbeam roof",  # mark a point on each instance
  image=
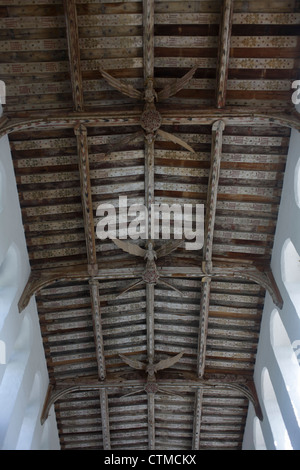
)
(150, 368)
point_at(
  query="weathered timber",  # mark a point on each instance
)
(224, 52)
(43, 278)
(86, 194)
(223, 381)
(74, 53)
(237, 116)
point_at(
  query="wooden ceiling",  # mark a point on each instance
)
(71, 135)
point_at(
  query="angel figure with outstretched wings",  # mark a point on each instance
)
(150, 274)
(151, 369)
(151, 119)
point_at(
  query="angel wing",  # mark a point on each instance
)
(175, 139)
(130, 248)
(166, 363)
(168, 248)
(133, 363)
(132, 286)
(173, 88)
(123, 142)
(122, 87)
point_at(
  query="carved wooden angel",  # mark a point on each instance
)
(150, 274)
(151, 119)
(151, 369)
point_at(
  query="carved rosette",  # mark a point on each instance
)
(150, 275)
(151, 120)
(151, 387)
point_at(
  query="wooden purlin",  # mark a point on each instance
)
(97, 326)
(197, 419)
(211, 207)
(148, 39)
(212, 194)
(87, 204)
(224, 52)
(74, 53)
(105, 419)
(86, 195)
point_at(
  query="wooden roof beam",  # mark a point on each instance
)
(197, 419)
(86, 195)
(224, 52)
(116, 384)
(74, 53)
(148, 39)
(43, 278)
(97, 325)
(148, 45)
(213, 186)
(98, 335)
(211, 207)
(233, 116)
(105, 419)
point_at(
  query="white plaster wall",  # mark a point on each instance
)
(288, 227)
(21, 335)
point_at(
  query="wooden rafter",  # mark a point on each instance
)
(224, 52)
(74, 53)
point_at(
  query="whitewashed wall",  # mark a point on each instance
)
(23, 372)
(277, 372)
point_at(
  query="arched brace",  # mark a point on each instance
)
(44, 278)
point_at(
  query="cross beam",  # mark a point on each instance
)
(42, 278)
(117, 384)
(233, 116)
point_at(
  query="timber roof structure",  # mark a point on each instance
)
(185, 102)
